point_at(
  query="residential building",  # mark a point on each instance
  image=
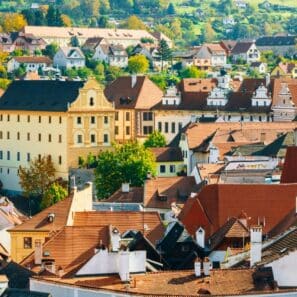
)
(69, 57)
(286, 70)
(280, 45)
(211, 142)
(31, 63)
(35, 231)
(240, 4)
(133, 98)
(62, 119)
(169, 161)
(245, 51)
(62, 35)
(259, 67)
(228, 45)
(6, 44)
(113, 54)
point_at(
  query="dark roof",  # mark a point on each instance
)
(241, 47)
(24, 293)
(246, 149)
(167, 154)
(40, 95)
(276, 41)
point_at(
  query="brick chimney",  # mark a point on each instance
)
(38, 252)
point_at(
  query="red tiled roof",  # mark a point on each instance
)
(135, 195)
(40, 221)
(33, 59)
(143, 95)
(289, 173)
(269, 203)
(174, 188)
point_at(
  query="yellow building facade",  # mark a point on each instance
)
(65, 120)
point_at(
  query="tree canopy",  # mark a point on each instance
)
(138, 64)
(129, 162)
(53, 194)
(155, 139)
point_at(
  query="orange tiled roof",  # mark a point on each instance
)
(135, 195)
(144, 95)
(264, 203)
(172, 187)
(148, 222)
(225, 282)
(39, 222)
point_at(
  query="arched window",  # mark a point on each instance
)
(91, 101)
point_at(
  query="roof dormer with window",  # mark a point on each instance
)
(261, 97)
(217, 97)
(172, 96)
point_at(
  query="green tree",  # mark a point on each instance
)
(36, 178)
(171, 9)
(133, 22)
(138, 64)
(53, 17)
(129, 162)
(156, 139)
(164, 53)
(4, 82)
(74, 41)
(53, 194)
(3, 72)
(192, 72)
(112, 73)
(50, 50)
(208, 33)
(90, 8)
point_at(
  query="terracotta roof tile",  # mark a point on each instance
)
(222, 201)
(143, 95)
(40, 222)
(33, 59)
(175, 189)
(135, 195)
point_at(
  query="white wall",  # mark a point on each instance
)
(284, 270)
(5, 239)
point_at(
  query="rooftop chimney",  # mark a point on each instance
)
(125, 187)
(115, 238)
(51, 217)
(38, 252)
(256, 245)
(124, 266)
(206, 266)
(133, 80)
(197, 267)
(267, 79)
(200, 237)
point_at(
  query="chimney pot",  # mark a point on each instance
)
(125, 187)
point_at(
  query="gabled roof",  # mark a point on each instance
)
(167, 154)
(143, 95)
(289, 173)
(40, 221)
(241, 47)
(33, 59)
(287, 67)
(175, 189)
(40, 95)
(263, 203)
(68, 52)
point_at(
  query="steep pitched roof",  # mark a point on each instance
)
(175, 189)
(241, 47)
(167, 154)
(222, 201)
(40, 222)
(289, 173)
(143, 95)
(40, 95)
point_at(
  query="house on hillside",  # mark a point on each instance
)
(245, 51)
(31, 63)
(286, 70)
(69, 57)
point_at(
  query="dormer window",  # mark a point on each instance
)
(91, 101)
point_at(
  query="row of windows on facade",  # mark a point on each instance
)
(172, 169)
(28, 157)
(146, 130)
(92, 120)
(18, 136)
(79, 138)
(166, 127)
(146, 116)
(28, 118)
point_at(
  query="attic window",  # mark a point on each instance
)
(91, 102)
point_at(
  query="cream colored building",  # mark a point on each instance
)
(63, 119)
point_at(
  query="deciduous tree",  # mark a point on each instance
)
(156, 139)
(13, 22)
(138, 64)
(129, 162)
(53, 194)
(36, 178)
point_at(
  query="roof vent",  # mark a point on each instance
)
(51, 217)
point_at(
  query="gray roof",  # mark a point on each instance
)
(40, 95)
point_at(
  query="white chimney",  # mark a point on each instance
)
(200, 237)
(197, 268)
(124, 265)
(256, 245)
(125, 187)
(38, 252)
(115, 238)
(267, 78)
(206, 267)
(133, 80)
